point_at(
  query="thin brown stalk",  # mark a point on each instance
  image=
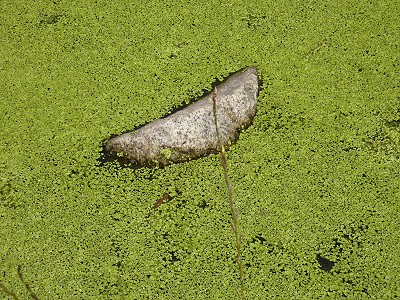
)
(27, 287)
(234, 211)
(8, 292)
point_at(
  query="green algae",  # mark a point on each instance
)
(316, 176)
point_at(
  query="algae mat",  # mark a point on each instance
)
(316, 176)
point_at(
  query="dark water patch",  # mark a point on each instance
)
(50, 19)
(325, 263)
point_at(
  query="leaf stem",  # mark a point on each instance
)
(234, 211)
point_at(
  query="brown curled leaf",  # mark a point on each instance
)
(158, 203)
